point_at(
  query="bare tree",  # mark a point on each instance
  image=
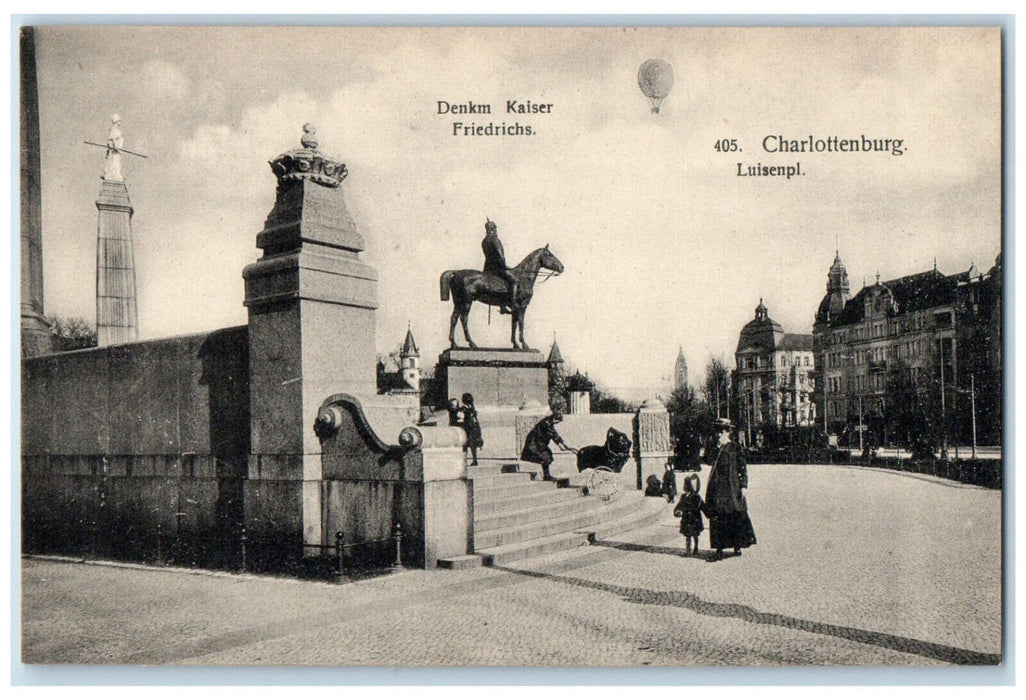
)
(714, 388)
(73, 333)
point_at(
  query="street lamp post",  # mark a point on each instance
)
(972, 405)
(854, 380)
(972, 397)
(726, 391)
(944, 426)
(861, 447)
(750, 417)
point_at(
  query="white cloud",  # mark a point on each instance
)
(165, 79)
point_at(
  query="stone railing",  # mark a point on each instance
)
(370, 487)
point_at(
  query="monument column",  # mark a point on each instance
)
(35, 331)
(116, 315)
(311, 308)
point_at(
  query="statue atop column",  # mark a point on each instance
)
(115, 146)
(112, 166)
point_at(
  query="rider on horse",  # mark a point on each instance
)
(495, 263)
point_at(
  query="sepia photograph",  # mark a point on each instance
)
(511, 346)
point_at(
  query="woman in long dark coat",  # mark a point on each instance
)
(725, 506)
(536, 444)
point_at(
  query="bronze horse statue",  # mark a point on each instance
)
(468, 286)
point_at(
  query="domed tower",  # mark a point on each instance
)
(762, 334)
(837, 292)
(830, 308)
(756, 376)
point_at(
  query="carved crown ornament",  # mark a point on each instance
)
(307, 163)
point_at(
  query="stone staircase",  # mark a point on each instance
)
(517, 515)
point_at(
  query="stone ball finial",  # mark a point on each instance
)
(652, 405)
(309, 139)
(329, 418)
(411, 438)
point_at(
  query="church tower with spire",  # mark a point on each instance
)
(409, 360)
(116, 313)
(680, 370)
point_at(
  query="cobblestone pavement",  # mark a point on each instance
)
(853, 566)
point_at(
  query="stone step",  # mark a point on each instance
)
(489, 490)
(464, 561)
(647, 512)
(491, 468)
(534, 510)
(503, 554)
(559, 522)
(518, 500)
(488, 480)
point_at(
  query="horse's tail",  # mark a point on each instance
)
(444, 282)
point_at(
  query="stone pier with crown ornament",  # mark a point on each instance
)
(311, 303)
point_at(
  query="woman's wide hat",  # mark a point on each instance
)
(722, 424)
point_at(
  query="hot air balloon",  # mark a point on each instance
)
(655, 78)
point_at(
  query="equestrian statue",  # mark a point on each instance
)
(510, 289)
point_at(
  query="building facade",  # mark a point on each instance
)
(578, 392)
(937, 334)
(774, 379)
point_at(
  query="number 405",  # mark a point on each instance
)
(727, 145)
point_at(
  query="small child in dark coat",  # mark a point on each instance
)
(472, 426)
(653, 487)
(669, 488)
(689, 510)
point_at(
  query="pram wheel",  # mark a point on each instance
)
(604, 482)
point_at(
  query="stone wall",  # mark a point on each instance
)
(138, 450)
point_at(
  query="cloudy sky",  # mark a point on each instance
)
(664, 245)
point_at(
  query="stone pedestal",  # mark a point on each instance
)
(311, 308)
(652, 440)
(500, 380)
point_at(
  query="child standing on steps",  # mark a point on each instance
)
(689, 510)
(472, 426)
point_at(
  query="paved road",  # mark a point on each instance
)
(853, 566)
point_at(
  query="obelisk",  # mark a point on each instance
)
(35, 331)
(116, 317)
